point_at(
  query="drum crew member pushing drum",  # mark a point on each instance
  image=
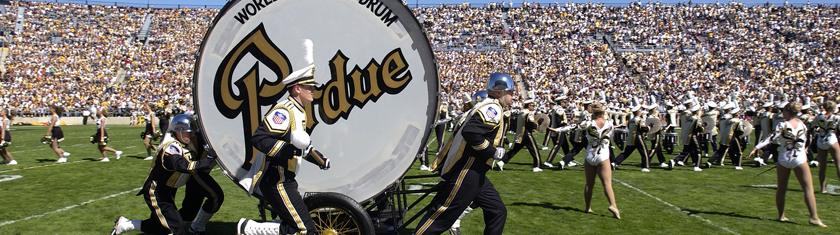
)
(201, 185)
(470, 154)
(282, 137)
(171, 167)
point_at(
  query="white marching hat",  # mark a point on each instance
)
(528, 101)
(735, 110)
(306, 75)
(694, 108)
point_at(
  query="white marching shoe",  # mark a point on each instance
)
(680, 163)
(501, 165)
(122, 225)
(105, 160)
(760, 162)
(544, 148)
(61, 160)
(66, 154)
(739, 168)
(250, 227)
(663, 165)
(118, 154)
(697, 169)
(572, 164)
(148, 158)
(815, 163)
(537, 169)
(645, 170)
(547, 164)
(424, 168)
(13, 162)
(561, 164)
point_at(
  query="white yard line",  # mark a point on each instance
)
(676, 207)
(69, 207)
(53, 164)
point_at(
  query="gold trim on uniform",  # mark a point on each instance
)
(155, 206)
(292, 164)
(290, 207)
(448, 199)
(277, 146)
(483, 145)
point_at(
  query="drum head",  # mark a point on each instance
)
(654, 124)
(542, 121)
(746, 127)
(370, 116)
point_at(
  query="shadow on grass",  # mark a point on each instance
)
(220, 227)
(41, 160)
(730, 214)
(547, 205)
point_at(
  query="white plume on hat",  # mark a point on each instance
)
(307, 73)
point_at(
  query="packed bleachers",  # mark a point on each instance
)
(72, 53)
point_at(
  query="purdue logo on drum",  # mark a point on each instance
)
(378, 94)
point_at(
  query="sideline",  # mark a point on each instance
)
(676, 207)
(69, 207)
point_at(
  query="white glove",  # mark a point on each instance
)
(500, 153)
(300, 139)
(326, 164)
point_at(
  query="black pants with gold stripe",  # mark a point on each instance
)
(638, 143)
(691, 151)
(656, 148)
(200, 186)
(284, 198)
(458, 192)
(527, 142)
(576, 148)
(165, 218)
(561, 142)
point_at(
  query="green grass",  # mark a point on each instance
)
(84, 195)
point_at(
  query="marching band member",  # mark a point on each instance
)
(708, 139)
(559, 121)
(728, 143)
(525, 138)
(692, 128)
(637, 130)
(101, 136)
(171, 167)
(791, 135)
(656, 139)
(54, 134)
(464, 180)
(578, 142)
(6, 136)
(827, 140)
(150, 133)
(771, 149)
(282, 137)
(598, 131)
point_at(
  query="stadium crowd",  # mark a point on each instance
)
(72, 53)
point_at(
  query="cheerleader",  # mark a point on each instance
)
(101, 136)
(598, 132)
(791, 135)
(150, 132)
(5, 137)
(827, 140)
(54, 134)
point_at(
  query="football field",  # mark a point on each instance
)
(84, 196)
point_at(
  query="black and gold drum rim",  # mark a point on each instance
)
(334, 221)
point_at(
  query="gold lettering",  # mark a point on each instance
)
(394, 65)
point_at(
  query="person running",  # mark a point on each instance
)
(5, 137)
(151, 133)
(54, 134)
(791, 134)
(101, 136)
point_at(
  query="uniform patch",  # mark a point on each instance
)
(278, 118)
(173, 150)
(491, 112)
